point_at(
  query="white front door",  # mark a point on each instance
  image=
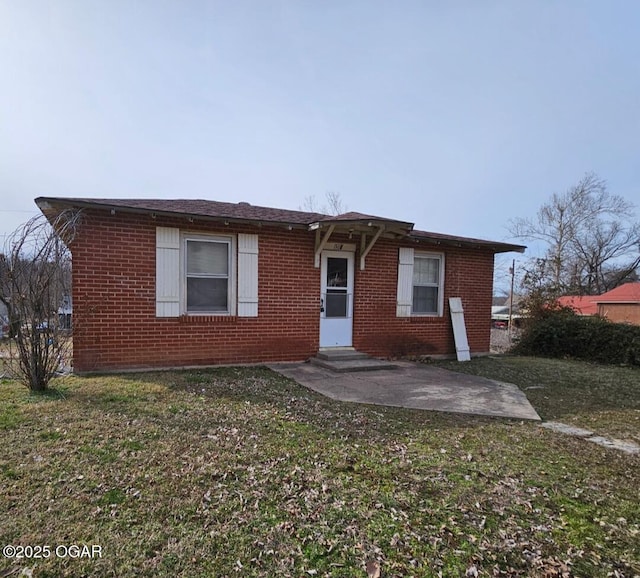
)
(336, 299)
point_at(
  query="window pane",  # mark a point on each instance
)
(207, 295)
(208, 258)
(336, 305)
(426, 271)
(336, 272)
(425, 300)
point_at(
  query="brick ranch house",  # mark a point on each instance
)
(169, 283)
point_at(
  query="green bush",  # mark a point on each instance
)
(564, 334)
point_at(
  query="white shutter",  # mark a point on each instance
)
(459, 329)
(247, 275)
(167, 272)
(405, 282)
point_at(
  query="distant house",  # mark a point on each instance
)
(502, 311)
(622, 304)
(65, 313)
(166, 283)
(499, 300)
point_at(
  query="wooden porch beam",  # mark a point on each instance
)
(322, 244)
(365, 252)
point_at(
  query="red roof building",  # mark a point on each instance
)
(622, 304)
(581, 304)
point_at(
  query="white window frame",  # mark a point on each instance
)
(440, 284)
(231, 283)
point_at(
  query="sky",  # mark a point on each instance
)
(457, 116)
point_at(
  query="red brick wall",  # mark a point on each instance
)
(620, 312)
(377, 330)
(115, 325)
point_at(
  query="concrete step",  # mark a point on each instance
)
(340, 354)
(350, 365)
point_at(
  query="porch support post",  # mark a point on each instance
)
(363, 254)
(322, 244)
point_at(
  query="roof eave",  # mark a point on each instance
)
(47, 203)
(50, 206)
(470, 243)
(390, 228)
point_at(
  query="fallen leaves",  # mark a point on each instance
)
(239, 472)
(373, 568)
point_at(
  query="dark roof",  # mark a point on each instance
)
(361, 223)
(454, 240)
(245, 212)
(353, 216)
(194, 207)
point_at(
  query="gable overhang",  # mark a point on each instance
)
(369, 230)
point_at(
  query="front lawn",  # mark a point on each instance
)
(241, 472)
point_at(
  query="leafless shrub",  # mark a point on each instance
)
(35, 280)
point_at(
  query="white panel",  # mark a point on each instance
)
(405, 282)
(167, 272)
(459, 329)
(247, 275)
(168, 237)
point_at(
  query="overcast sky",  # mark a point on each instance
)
(454, 115)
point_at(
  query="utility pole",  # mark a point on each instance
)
(512, 270)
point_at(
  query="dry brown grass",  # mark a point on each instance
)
(240, 472)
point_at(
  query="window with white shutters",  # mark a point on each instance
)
(420, 283)
(206, 274)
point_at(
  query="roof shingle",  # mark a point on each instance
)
(200, 207)
(247, 212)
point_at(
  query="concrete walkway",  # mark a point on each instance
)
(628, 447)
(415, 385)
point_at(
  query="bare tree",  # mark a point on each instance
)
(35, 278)
(592, 242)
(596, 249)
(333, 204)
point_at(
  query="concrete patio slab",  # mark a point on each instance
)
(417, 386)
